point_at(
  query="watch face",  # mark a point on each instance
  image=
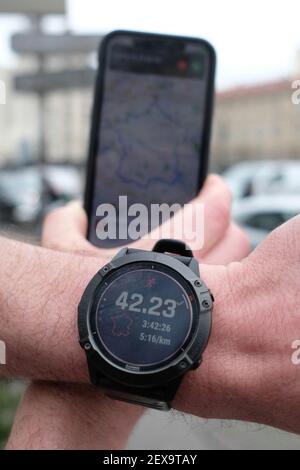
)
(144, 316)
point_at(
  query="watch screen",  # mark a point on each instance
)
(144, 317)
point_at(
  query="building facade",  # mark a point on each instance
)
(18, 122)
(254, 122)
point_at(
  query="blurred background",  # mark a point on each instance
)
(47, 72)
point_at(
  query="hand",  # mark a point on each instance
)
(40, 289)
(65, 229)
(69, 409)
(247, 373)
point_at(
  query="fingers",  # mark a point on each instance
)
(215, 200)
(233, 247)
(65, 229)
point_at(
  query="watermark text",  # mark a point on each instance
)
(2, 353)
(136, 221)
(2, 92)
(296, 93)
(296, 353)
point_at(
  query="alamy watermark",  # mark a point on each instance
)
(296, 93)
(2, 92)
(136, 221)
(2, 353)
(296, 353)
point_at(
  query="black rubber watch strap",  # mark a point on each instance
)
(158, 398)
(173, 247)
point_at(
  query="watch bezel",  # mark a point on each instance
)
(113, 277)
(177, 365)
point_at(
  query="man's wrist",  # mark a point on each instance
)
(215, 389)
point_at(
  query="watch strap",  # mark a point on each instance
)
(158, 398)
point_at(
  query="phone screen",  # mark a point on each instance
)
(152, 123)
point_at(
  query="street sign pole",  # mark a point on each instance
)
(40, 45)
(35, 11)
(36, 23)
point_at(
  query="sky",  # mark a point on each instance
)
(255, 40)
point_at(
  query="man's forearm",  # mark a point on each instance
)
(39, 294)
(247, 369)
(67, 417)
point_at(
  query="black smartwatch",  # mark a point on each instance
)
(144, 321)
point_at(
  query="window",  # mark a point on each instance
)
(266, 221)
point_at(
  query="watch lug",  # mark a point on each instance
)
(120, 254)
(194, 266)
(172, 388)
(197, 364)
(94, 374)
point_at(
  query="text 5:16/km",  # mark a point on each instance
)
(160, 340)
(158, 306)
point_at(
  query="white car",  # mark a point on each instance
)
(264, 177)
(21, 191)
(260, 215)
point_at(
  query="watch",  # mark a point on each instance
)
(144, 321)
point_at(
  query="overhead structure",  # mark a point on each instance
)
(40, 43)
(47, 82)
(41, 46)
(33, 7)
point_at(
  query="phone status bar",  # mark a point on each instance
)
(164, 62)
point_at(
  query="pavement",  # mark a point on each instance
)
(176, 431)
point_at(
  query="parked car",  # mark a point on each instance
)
(21, 191)
(260, 215)
(248, 179)
(25, 194)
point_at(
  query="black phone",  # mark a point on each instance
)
(151, 126)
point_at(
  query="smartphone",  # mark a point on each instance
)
(151, 126)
